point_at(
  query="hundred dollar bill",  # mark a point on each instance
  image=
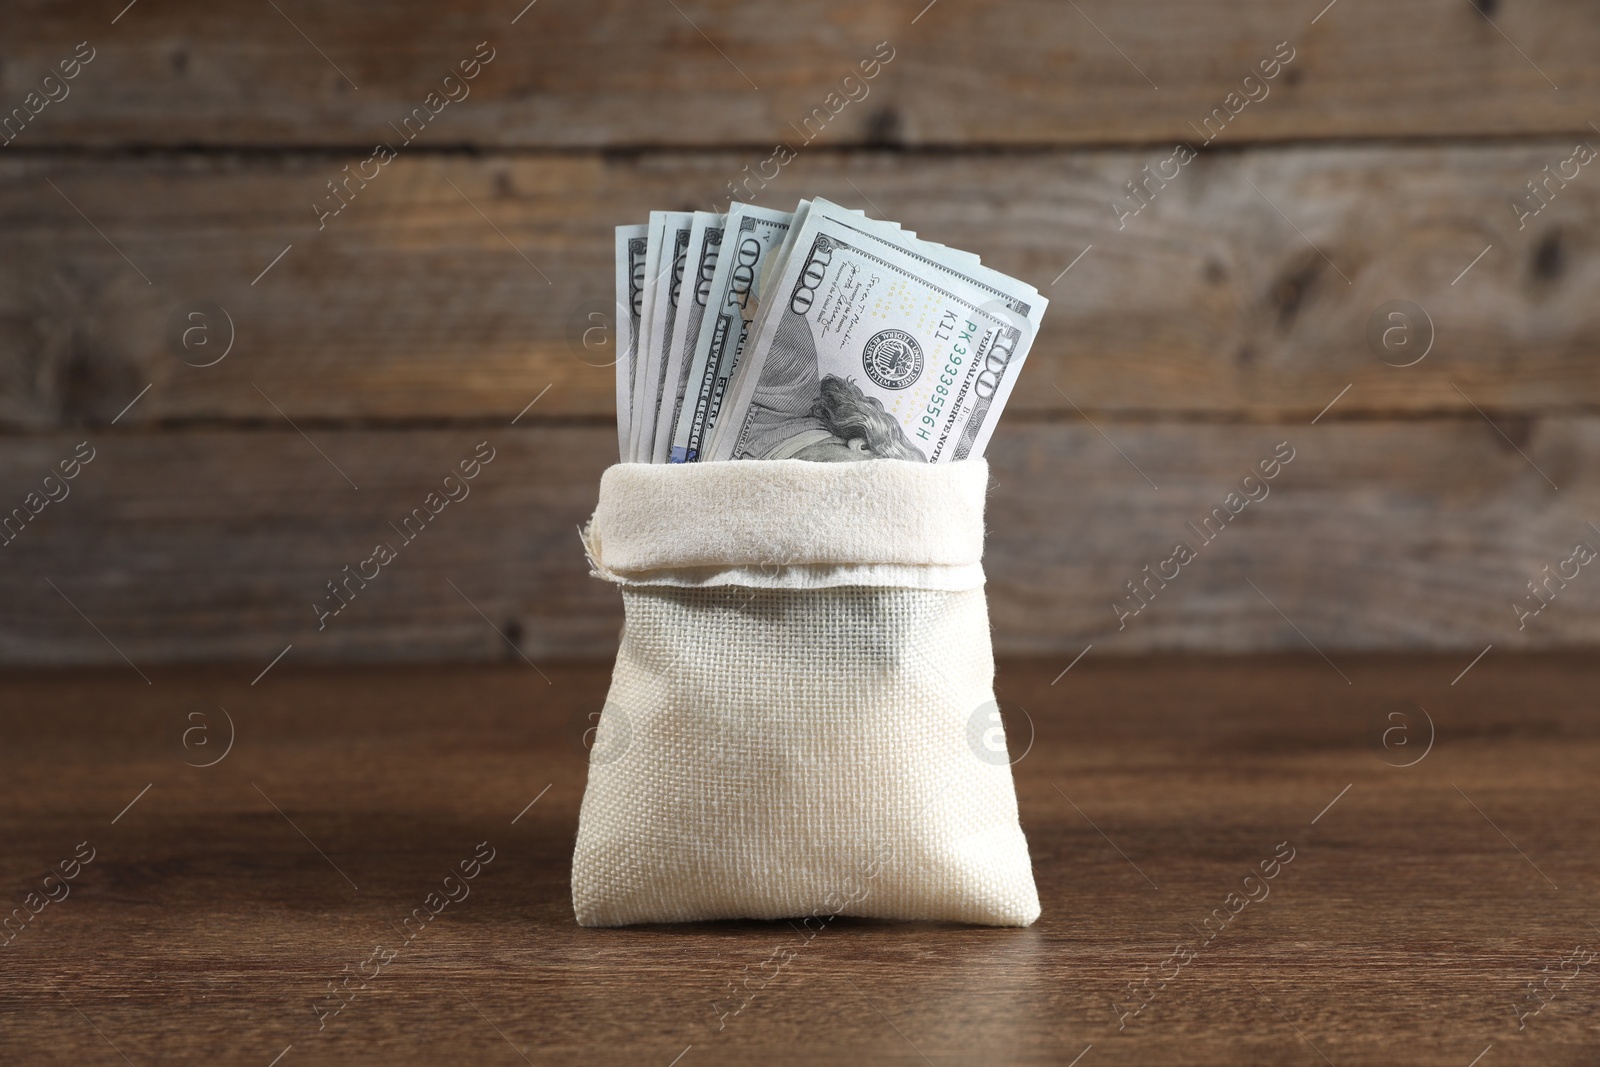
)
(654, 230)
(750, 237)
(741, 384)
(867, 349)
(631, 242)
(668, 247)
(705, 243)
(669, 290)
(767, 272)
(769, 269)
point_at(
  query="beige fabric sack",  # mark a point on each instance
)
(801, 719)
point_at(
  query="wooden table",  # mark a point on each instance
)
(222, 901)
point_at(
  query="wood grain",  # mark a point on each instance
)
(215, 544)
(621, 74)
(1405, 929)
(411, 305)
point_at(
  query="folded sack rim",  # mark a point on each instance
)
(799, 524)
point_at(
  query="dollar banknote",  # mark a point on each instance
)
(668, 247)
(705, 244)
(750, 239)
(631, 241)
(767, 274)
(872, 344)
(766, 277)
(652, 258)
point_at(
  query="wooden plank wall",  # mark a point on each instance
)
(1226, 311)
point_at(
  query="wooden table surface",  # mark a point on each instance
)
(222, 901)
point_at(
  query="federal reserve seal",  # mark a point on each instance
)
(892, 359)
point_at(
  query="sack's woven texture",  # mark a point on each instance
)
(771, 751)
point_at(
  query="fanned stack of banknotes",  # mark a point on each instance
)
(815, 334)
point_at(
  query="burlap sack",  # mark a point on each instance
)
(801, 719)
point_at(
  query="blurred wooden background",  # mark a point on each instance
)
(368, 357)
